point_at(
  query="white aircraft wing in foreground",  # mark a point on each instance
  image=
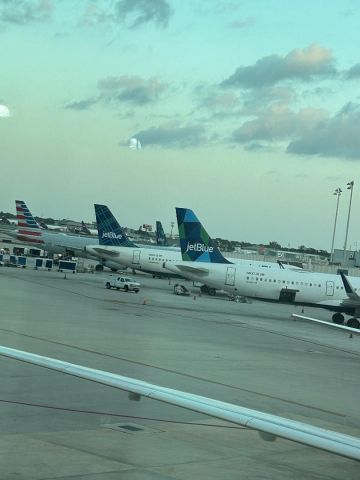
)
(356, 331)
(269, 426)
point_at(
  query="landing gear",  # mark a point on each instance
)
(338, 318)
(353, 323)
(208, 290)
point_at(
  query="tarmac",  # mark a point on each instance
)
(53, 426)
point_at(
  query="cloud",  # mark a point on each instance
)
(309, 131)
(81, 104)
(338, 136)
(278, 122)
(213, 99)
(299, 64)
(122, 89)
(254, 146)
(4, 111)
(353, 72)
(95, 15)
(131, 89)
(23, 12)
(240, 24)
(171, 136)
(139, 12)
(254, 101)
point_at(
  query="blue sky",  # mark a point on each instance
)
(247, 111)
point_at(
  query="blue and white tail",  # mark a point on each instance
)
(109, 231)
(160, 235)
(28, 228)
(195, 243)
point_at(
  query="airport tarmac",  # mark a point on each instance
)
(58, 427)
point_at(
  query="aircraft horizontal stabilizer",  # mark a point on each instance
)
(269, 426)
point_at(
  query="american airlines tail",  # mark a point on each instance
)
(160, 235)
(110, 232)
(28, 228)
(195, 243)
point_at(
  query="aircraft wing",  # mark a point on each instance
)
(102, 251)
(192, 270)
(76, 251)
(269, 426)
(328, 324)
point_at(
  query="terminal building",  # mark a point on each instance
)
(350, 259)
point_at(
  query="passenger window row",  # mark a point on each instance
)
(288, 282)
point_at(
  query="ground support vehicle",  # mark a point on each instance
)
(122, 283)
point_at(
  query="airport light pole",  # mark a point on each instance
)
(350, 186)
(337, 193)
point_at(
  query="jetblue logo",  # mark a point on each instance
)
(198, 247)
(112, 235)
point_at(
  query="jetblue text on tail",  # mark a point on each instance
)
(198, 247)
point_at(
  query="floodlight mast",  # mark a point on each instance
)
(337, 192)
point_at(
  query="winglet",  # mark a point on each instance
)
(109, 231)
(347, 286)
(195, 243)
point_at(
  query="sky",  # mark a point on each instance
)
(248, 112)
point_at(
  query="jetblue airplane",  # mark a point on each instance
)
(114, 246)
(269, 426)
(203, 262)
(111, 233)
(30, 233)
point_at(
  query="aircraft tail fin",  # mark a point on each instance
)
(195, 243)
(109, 231)
(28, 228)
(84, 229)
(160, 235)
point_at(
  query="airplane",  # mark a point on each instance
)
(203, 262)
(111, 233)
(113, 245)
(30, 233)
(269, 426)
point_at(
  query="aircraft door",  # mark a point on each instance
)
(136, 257)
(330, 288)
(230, 276)
(287, 295)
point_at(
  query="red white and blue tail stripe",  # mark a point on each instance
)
(28, 228)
